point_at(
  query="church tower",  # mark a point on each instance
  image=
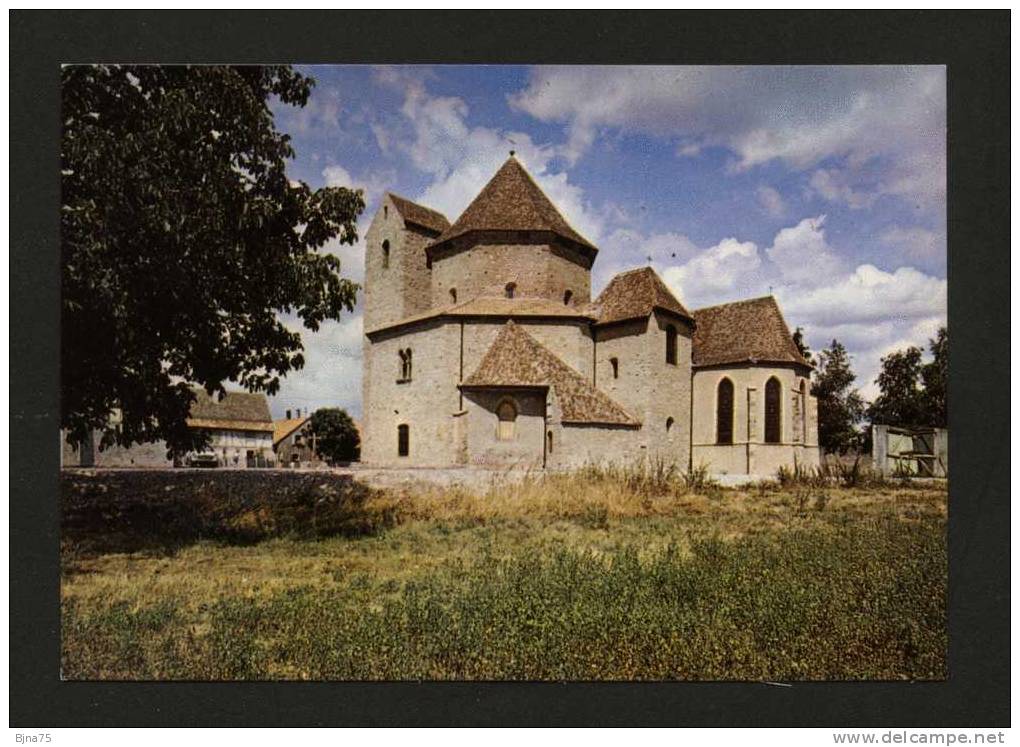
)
(398, 281)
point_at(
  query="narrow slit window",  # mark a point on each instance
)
(386, 254)
(615, 363)
(403, 440)
(567, 296)
(510, 290)
(453, 295)
(671, 345)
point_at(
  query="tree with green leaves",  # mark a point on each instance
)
(336, 435)
(934, 377)
(182, 241)
(840, 405)
(901, 399)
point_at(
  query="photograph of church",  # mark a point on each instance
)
(484, 346)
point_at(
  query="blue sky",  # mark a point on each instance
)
(823, 185)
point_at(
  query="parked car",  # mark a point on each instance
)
(203, 460)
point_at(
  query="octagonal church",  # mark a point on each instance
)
(483, 346)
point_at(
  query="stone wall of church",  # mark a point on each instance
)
(749, 454)
(537, 270)
(428, 403)
(522, 443)
(654, 391)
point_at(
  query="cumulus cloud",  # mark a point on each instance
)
(802, 255)
(799, 115)
(716, 273)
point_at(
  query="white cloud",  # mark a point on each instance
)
(771, 201)
(868, 295)
(916, 243)
(321, 115)
(834, 185)
(802, 255)
(331, 376)
(716, 273)
(800, 115)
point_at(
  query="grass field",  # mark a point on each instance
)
(607, 574)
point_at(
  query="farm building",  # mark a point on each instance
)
(239, 426)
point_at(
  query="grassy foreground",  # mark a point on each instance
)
(599, 575)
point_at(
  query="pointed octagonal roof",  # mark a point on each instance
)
(511, 201)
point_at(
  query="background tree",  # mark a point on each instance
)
(840, 405)
(901, 400)
(802, 346)
(182, 239)
(336, 435)
(933, 377)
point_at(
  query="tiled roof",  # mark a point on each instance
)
(518, 359)
(635, 294)
(242, 411)
(283, 428)
(499, 307)
(752, 330)
(511, 201)
(420, 215)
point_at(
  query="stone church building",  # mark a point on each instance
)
(484, 347)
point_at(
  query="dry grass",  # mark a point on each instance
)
(446, 538)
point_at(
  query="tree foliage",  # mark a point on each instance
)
(336, 435)
(182, 240)
(901, 399)
(801, 343)
(934, 377)
(840, 405)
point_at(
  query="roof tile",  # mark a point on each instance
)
(635, 294)
(420, 215)
(511, 201)
(752, 330)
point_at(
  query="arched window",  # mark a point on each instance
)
(453, 295)
(671, 345)
(510, 289)
(669, 424)
(507, 414)
(549, 441)
(405, 364)
(615, 363)
(724, 412)
(567, 295)
(403, 440)
(773, 411)
(386, 254)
